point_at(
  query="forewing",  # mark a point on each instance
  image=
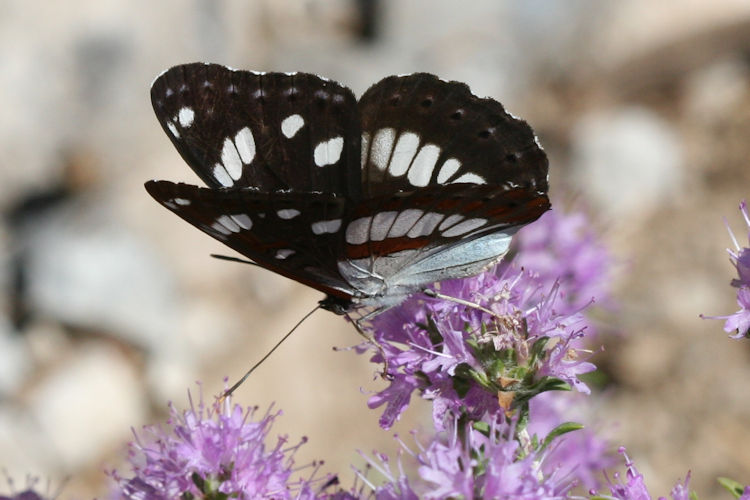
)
(419, 131)
(297, 235)
(270, 131)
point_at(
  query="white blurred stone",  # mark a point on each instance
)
(713, 92)
(554, 35)
(627, 161)
(24, 450)
(86, 271)
(88, 404)
(47, 342)
(167, 376)
(15, 361)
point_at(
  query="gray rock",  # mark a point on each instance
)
(87, 404)
(627, 161)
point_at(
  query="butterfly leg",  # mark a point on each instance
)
(371, 339)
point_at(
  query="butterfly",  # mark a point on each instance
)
(367, 201)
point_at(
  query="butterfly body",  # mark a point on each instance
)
(367, 201)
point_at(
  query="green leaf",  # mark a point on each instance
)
(551, 384)
(732, 486)
(198, 481)
(462, 380)
(482, 427)
(432, 330)
(537, 349)
(558, 431)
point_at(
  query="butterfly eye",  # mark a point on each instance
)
(484, 134)
(458, 114)
(427, 102)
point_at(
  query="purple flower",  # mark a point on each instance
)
(582, 454)
(29, 492)
(634, 487)
(463, 462)
(739, 322)
(740, 257)
(24, 495)
(563, 247)
(213, 453)
(504, 344)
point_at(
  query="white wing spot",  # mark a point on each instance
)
(231, 159)
(173, 129)
(358, 231)
(245, 146)
(404, 222)
(182, 201)
(382, 144)
(421, 169)
(186, 117)
(328, 152)
(242, 220)
(449, 168)
(228, 223)
(219, 228)
(365, 148)
(464, 227)
(284, 253)
(287, 213)
(453, 219)
(403, 153)
(326, 226)
(470, 179)
(381, 224)
(426, 225)
(291, 125)
(221, 175)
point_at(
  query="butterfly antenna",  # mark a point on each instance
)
(233, 259)
(229, 391)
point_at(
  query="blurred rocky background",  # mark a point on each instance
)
(111, 306)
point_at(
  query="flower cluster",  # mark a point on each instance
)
(739, 322)
(213, 453)
(634, 487)
(497, 339)
(484, 460)
(486, 344)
